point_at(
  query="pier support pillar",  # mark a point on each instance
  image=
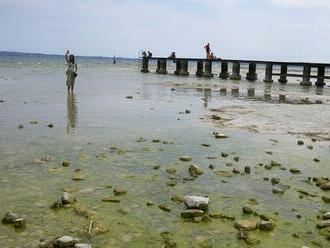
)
(236, 71)
(283, 74)
(251, 92)
(269, 73)
(320, 76)
(182, 67)
(306, 80)
(145, 65)
(252, 75)
(208, 69)
(223, 91)
(200, 68)
(224, 74)
(282, 98)
(235, 91)
(161, 66)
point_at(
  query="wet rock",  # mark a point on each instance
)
(171, 170)
(156, 167)
(82, 211)
(78, 175)
(191, 213)
(150, 203)
(211, 166)
(177, 198)
(195, 171)
(316, 160)
(206, 145)
(57, 204)
(172, 182)
(236, 158)
(269, 152)
(320, 180)
(310, 147)
(300, 142)
(164, 208)
(224, 154)
(323, 224)
(242, 234)
(211, 157)
(223, 173)
(326, 216)
(168, 240)
(119, 191)
(140, 140)
(82, 246)
(20, 223)
(185, 158)
(196, 202)
(295, 171)
(266, 225)
(20, 126)
(252, 241)
(65, 163)
(236, 171)
(50, 125)
(156, 140)
(222, 216)
(248, 225)
(325, 187)
(187, 111)
(220, 136)
(326, 199)
(111, 199)
(129, 97)
(264, 217)
(279, 189)
(247, 210)
(268, 167)
(247, 169)
(67, 198)
(229, 164)
(274, 164)
(65, 242)
(275, 180)
(9, 218)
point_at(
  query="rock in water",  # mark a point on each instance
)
(248, 225)
(194, 170)
(326, 216)
(9, 218)
(65, 242)
(65, 163)
(185, 158)
(83, 246)
(67, 198)
(323, 224)
(326, 199)
(266, 225)
(192, 213)
(20, 223)
(119, 191)
(196, 202)
(325, 186)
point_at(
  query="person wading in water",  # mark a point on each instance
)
(71, 72)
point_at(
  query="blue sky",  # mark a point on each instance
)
(250, 29)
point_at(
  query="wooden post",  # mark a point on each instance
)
(236, 71)
(283, 75)
(269, 73)
(252, 75)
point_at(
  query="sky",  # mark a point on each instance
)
(284, 30)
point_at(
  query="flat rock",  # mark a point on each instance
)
(196, 202)
(279, 189)
(20, 223)
(119, 191)
(326, 199)
(191, 213)
(65, 242)
(9, 218)
(248, 225)
(220, 136)
(223, 173)
(185, 158)
(111, 199)
(295, 171)
(83, 246)
(323, 224)
(67, 198)
(325, 186)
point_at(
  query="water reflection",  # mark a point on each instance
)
(72, 113)
(207, 97)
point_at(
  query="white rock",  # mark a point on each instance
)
(65, 242)
(196, 202)
(326, 216)
(83, 246)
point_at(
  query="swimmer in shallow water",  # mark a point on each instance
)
(71, 72)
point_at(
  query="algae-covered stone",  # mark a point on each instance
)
(323, 224)
(279, 189)
(20, 223)
(119, 191)
(177, 198)
(300, 142)
(67, 198)
(247, 169)
(236, 158)
(20, 126)
(247, 210)
(325, 187)
(156, 140)
(82, 211)
(211, 166)
(222, 216)
(310, 147)
(185, 158)
(164, 208)
(65, 163)
(275, 180)
(65, 242)
(248, 225)
(223, 173)
(194, 170)
(9, 218)
(78, 175)
(326, 199)
(224, 154)
(274, 163)
(111, 199)
(191, 213)
(295, 171)
(150, 203)
(266, 225)
(220, 136)
(171, 170)
(83, 246)
(172, 182)
(196, 202)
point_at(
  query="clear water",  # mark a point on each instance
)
(99, 117)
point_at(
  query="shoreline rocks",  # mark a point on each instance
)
(196, 202)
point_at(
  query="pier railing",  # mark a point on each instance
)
(204, 69)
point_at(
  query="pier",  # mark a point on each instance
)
(204, 69)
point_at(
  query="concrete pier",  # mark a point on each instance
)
(224, 74)
(182, 67)
(269, 73)
(200, 68)
(145, 65)
(282, 98)
(320, 76)
(251, 92)
(252, 75)
(223, 91)
(208, 69)
(283, 75)
(235, 91)
(236, 71)
(306, 80)
(161, 66)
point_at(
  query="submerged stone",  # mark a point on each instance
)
(65, 163)
(20, 126)
(247, 169)
(223, 173)
(50, 125)
(220, 136)
(247, 210)
(177, 198)
(67, 198)
(275, 180)
(224, 154)
(248, 225)
(111, 199)
(325, 187)
(295, 171)
(196, 202)
(82, 246)
(326, 216)
(20, 223)
(266, 225)
(9, 218)
(191, 213)
(194, 170)
(119, 191)
(65, 242)
(222, 216)
(300, 142)
(326, 199)
(171, 170)
(78, 175)
(164, 208)
(279, 189)
(323, 224)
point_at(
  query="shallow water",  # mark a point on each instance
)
(98, 118)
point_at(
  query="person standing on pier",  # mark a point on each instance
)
(71, 72)
(207, 49)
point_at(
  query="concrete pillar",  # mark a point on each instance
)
(177, 67)
(235, 91)
(267, 96)
(161, 66)
(269, 73)
(306, 80)
(224, 70)
(283, 74)
(320, 76)
(251, 92)
(236, 71)
(208, 69)
(223, 91)
(200, 68)
(145, 65)
(183, 68)
(252, 75)
(282, 98)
